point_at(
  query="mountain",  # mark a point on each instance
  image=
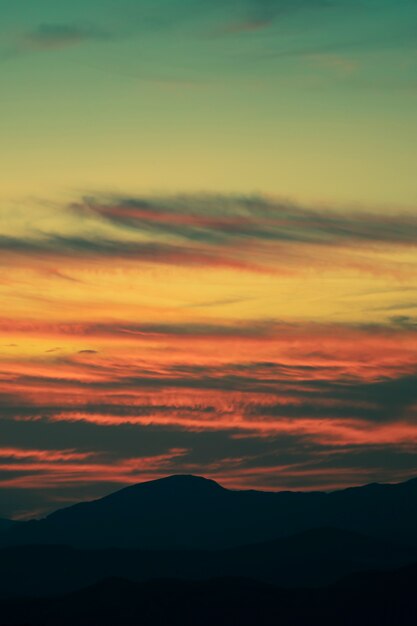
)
(372, 599)
(313, 558)
(189, 512)
(6, 524)
(184, 550)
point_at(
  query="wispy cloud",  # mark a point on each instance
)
(361, 376)
(257, 15)
(27, 454)
(219, 220)
(53, 36)
(152, 379)
(337, 407)
(237, 232)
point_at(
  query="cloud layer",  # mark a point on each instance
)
(249, 233)
(256, 341)
(49, 36)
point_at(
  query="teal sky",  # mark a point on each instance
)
(309, 100)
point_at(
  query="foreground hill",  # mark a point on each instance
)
(6, 524)
(383, 599)
(316, 557)
(192, 512)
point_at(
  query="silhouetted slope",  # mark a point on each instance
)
(387, 599)
(313, 558)
(192, 512)
(6, 524)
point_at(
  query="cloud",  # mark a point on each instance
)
(131, 331)
(171, 384)
(258, 15)
(71, 248)
(404, 321)
(220, 220)
(347, 388)
(267, 10)
(20, 454)
(259, 233)
(336, 408)
(54, 36)
(126, 454)
(306, 37)
(244, 26)
(244, 233)
(333, 62)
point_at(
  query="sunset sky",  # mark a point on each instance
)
(208, 228)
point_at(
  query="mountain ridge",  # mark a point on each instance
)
(313, 558)
(186, 511)
(383, 598)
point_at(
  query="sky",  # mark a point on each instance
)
(208, 232)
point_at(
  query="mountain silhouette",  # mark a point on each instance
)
(6, 524)
(184, 550)
(371, 599)
(190, 512)
(314, 558)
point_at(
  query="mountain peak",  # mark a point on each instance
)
(176, 487)
(188, 479)
(180, 483)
